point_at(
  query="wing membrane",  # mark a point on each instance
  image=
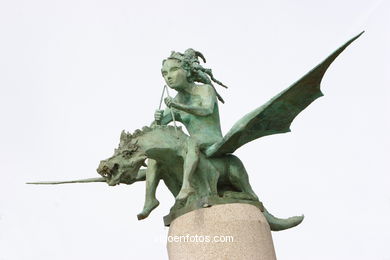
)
(276, 115)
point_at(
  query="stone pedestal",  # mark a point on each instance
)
(229, 231)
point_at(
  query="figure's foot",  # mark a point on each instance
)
(185, 193)
(148, 208)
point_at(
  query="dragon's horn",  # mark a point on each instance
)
(100, 179)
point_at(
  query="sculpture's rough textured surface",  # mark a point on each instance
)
(200, 169)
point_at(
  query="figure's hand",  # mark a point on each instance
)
(169, 101)
(158, 116)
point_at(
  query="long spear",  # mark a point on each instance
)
(172, 114)
(99, 179)
(165, 89)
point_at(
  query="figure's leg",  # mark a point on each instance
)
(191, 161)
(152, 180)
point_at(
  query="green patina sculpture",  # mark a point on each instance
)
(200, 170)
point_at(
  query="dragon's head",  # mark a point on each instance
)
(124, 165)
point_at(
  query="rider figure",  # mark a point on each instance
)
(195, 105)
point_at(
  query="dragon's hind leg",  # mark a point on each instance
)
(238, 178)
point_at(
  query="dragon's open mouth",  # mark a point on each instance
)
(108, 172)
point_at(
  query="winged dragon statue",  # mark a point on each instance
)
(219, 176)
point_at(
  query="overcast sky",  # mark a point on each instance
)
(74, 73)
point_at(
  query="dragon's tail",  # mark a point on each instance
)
(277, 224)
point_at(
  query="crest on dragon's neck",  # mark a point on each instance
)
(131, 141)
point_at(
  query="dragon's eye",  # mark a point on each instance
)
(126, 153)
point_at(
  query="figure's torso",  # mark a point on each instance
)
(205, 129)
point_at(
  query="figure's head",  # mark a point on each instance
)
(174, 74)
(182, 69)
(124, 165)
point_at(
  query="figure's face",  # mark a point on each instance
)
(174, 75)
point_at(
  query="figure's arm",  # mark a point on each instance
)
(162, 117)
(206, 106)
(167, 117)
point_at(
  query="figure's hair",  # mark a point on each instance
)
(197, 73)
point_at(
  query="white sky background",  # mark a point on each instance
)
(73, 74)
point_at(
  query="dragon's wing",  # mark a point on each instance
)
(277, 114)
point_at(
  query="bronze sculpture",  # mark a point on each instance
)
(200, 170)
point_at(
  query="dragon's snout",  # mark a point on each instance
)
(107, 169)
